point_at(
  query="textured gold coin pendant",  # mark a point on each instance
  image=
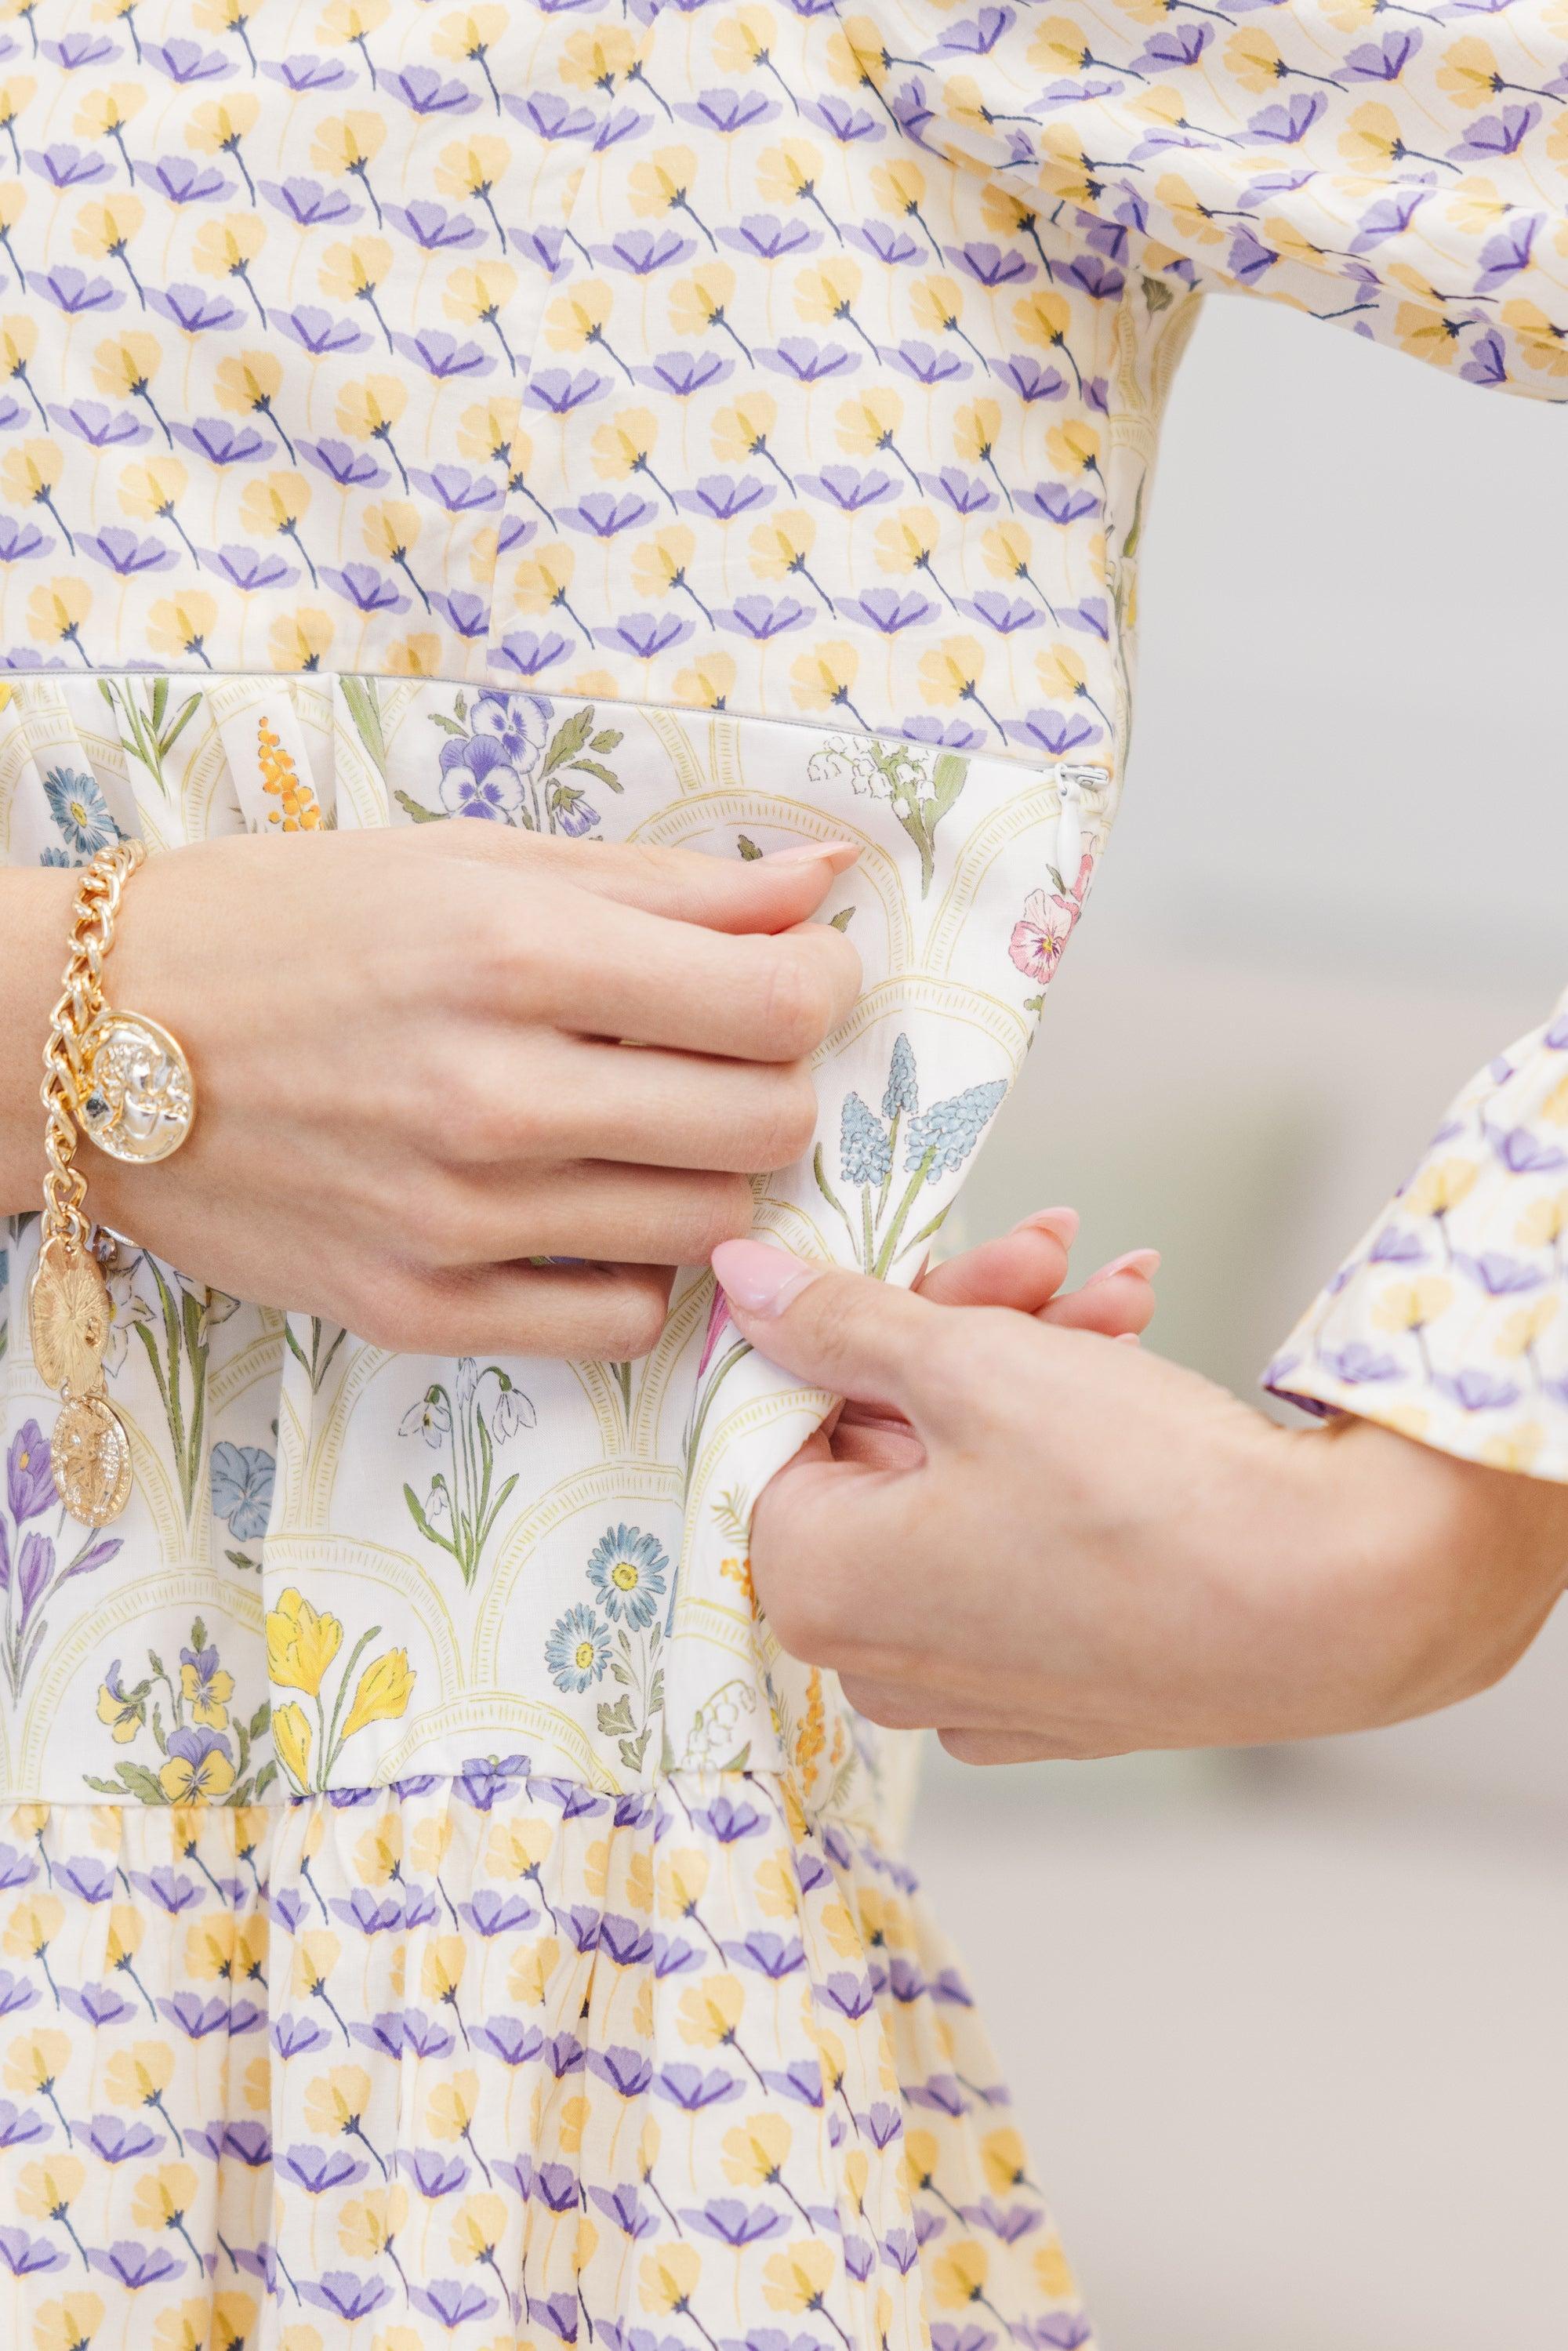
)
(137, 1099)
(69, 1315)
(90, 1453)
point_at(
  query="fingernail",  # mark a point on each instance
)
(1062, 1223)
(1144, 1261)
(1126, 1338)
(759, 1278)
(837, 854)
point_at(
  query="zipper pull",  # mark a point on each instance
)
(1072, 785)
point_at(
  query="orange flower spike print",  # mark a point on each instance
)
(297, 809)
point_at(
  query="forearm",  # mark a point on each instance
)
(35, 921)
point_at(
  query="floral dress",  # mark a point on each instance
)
(432, 1910)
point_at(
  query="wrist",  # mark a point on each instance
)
(1439, 1570)
(35, 941)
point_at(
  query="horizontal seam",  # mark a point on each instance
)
(538, 694)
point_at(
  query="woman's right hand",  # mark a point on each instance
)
(411, 1078)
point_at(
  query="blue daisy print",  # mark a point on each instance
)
(627, 1569)
(578, 1649)
(81, 811)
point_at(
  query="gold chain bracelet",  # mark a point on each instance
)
(123, 1082)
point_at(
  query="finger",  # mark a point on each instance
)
(1012, 1747)
(610, 1314)
(858, 1338)
(622, 973)
(635, 1216)
(683, 885)
(1117, 1308)
(1023, 1269)
(586, 1100)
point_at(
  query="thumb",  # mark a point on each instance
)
(858, 1338)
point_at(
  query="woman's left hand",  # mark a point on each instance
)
(1087, 1550)
(1024, 1271)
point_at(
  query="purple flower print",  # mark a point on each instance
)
(300, 74)
(179, 180)
(29, 1481)
(549, 116)
(491, 1913)
(20, 2126)
(888, 612)
(1032, 380)
(728, 110)
(308, 204)
(1474, 1390)
(646, 635)
(1055, 732)
(126, 554)
(1524, 1153)
(24, 2256)
(722, 496)
(558, 391)
(97, 2003)
(606, 515)
(506, 2037)
(351, 469)
(692, 2089)
(186, 62)
(15, 1993)
(801, 361)
(993, 265)
(433, 2175)
(760, 617)
(737, 2224)
(222, 443)
(134, 2266)
(557, 2312)
(248, 569)
(425, 92)
(886, 243)
(67, 167)
(319, 2171)
(530, 655)
(344, 2296)
(466, 615)
(432, 228)
(850, 490)
(478, 779)
(72, 292)
(1499, 1275)
(642, 253)
(759, 237)
(196, 312)
(443, 358)
(683, 375)
(79, 50)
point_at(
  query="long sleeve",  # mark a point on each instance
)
(1449, 1321)
(1403, 174)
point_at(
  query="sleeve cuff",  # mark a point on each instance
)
(1449, 1321)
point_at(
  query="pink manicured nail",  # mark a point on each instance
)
(759, 1278)
(1144, 1261)
(1061, 1223)
(837, 854)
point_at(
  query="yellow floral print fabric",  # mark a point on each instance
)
(431, 1911)
(490, 2061)
(1446, 1322)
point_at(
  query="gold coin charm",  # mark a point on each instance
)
(69, 1315)
(90, 1453)
(136, 1099)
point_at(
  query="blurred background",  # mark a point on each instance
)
(1290, 2029)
